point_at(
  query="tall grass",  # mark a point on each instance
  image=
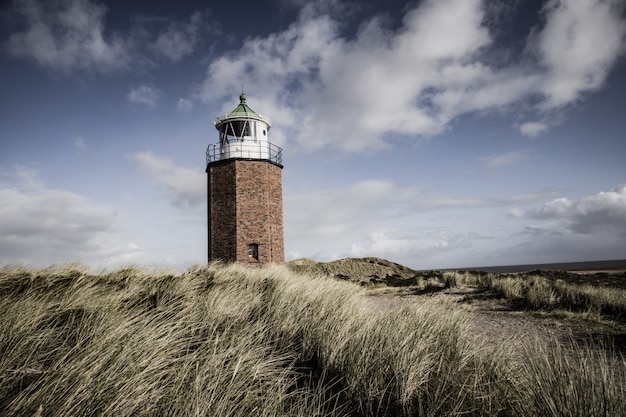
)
(363, 270)
(573, 380)
(223, 340)
(540, 293)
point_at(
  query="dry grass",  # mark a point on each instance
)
(536, 292)
(229, 341)
(362, 270)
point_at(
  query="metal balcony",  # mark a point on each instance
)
(259, 150)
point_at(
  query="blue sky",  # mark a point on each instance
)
(437, 134)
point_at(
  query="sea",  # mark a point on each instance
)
(619, 264)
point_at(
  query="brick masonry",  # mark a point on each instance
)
(245, 206)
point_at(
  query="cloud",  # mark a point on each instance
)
(425, 205)
(186, 186)
(67, 35)
(329, 90)
(328, 213)
(71, 35)
(80, 144)
(541, 231)
(508, 158)
(40, 226)
(424, 244)
(386, 219)
(357, 90)
(180, 38)
(457, 202)
(184, 105)
(578, 46)
(398, 222)
(23, 176)
(602, 213)
(347, 218)
(145, 94)
(533, 129)
(383, 243)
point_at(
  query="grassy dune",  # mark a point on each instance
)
(229, 341)
(536, 292)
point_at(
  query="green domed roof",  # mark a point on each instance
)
(243, 109)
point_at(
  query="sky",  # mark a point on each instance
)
(436, 134)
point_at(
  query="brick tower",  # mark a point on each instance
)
(244, 188)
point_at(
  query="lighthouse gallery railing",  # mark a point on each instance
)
(245, 150)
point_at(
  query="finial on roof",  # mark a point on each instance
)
(242, 97)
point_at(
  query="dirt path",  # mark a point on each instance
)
(496, 320)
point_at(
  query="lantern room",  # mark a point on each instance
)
(243, 134)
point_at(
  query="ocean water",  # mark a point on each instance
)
(568, 266)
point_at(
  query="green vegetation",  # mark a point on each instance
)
(535, 292)
(361, 270)
(224, 340)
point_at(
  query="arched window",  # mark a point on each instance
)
(253, 251)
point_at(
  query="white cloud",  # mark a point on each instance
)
(145, 94)
(530, 197)
(40, 226)
(474, 202)
(578, 45)
(351, 94)
(71, 35)
(80, 144)
(429, 244)
(67, 35)
(186, 186)
(508, 158)
(516, 213)
(604, 212)
(180, 38)
(184, 105)
(383, 244)
(381, 218)
(346, 212)
(457, 203)
(341, 216)
(533, 129)
(418, 247)
(24, 177)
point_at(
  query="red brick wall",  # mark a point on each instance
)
(222, 211)
(245, 206)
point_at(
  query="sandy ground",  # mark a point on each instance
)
(495, 320)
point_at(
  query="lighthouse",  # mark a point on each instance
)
(244, 189)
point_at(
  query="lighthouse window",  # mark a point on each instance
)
(263, 132)
(223, 135)
(241, 128)
(253, 251)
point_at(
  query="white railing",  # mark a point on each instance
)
(245, 150)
